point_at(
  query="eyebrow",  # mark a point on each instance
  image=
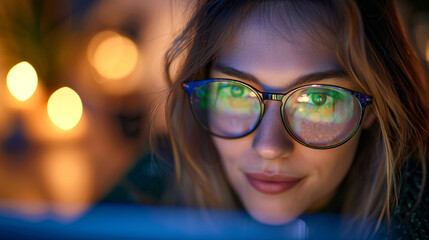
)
(301, 80)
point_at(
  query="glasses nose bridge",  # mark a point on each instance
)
(272, 96)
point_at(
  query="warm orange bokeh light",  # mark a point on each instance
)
(22, 81)
(65, 108)
(68, 178)
(112, 55)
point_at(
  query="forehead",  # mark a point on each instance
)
(276, 50)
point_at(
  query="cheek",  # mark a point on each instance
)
(233, 149)
(326, 170)
(236, 155)
(325, 173)
(332, 163)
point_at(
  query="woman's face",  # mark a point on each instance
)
(276, 178)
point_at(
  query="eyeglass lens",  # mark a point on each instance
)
(316, 116)
(321, 116)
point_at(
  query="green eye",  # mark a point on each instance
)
(318, 99)
(237, 91)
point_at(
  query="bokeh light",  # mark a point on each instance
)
(65, 108)
(22, 81)
(112, 55)
(67, 173)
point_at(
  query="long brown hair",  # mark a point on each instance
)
(370, 43)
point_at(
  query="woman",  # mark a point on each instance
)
(293, 107)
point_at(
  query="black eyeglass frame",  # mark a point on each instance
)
(363, 99)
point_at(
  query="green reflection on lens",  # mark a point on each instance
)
(203, 104)
(321, 105)
(232, 98)
(201, 91)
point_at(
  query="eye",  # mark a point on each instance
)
(237, 91)
(318, 99)
(321, 97)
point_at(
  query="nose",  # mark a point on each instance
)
(272, 141)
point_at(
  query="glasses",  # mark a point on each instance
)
(317, 116)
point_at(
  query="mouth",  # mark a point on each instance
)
(271, 184)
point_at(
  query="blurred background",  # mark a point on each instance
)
(78, 84)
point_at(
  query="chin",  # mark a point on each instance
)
(272, 218)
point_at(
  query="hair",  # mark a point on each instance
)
(370, 44)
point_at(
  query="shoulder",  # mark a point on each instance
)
(410, 219)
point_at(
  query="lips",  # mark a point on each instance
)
(271, 184)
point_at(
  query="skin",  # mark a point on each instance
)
(261, 50)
